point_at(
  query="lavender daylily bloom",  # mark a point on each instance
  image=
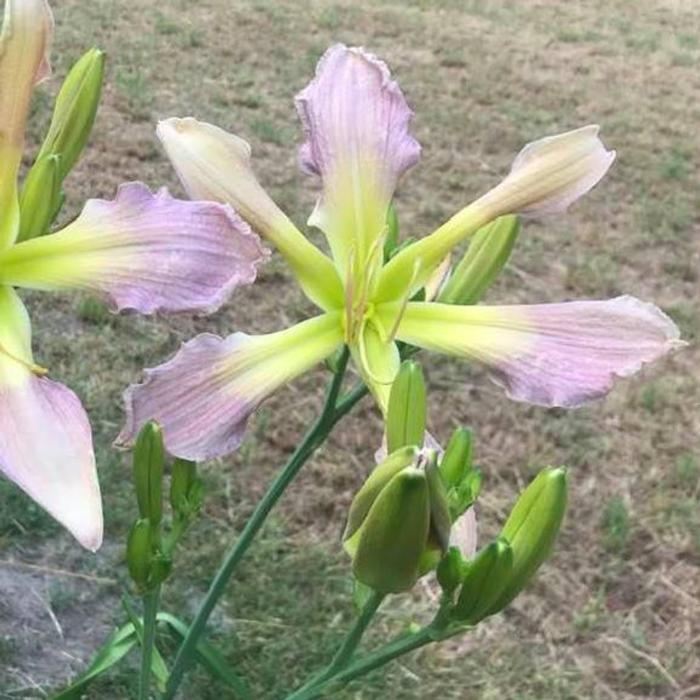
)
(141, 251)
(358, 143)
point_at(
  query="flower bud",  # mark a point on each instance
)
(41, 197)
(377, 480)
(391, 242)
(533, 526)
(148, 459)
(457, 460)
(75, 110)
(139, 548)
(486, 256)
(450, 570)
(182, 481)
(393, 536)
(405, 422)
(484, 582)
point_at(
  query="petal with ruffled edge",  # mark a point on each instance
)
(356, 122)
(215, 165)
(24, 61)
(204, 395)
(547, 354)
(45, 437)
(144, 252)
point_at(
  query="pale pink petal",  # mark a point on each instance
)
(464, 533)
(144, 252)
(548, 354)
(204, 395)
(45, 438)
(356, 122)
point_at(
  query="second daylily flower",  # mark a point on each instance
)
(356, 122)
(141, 251)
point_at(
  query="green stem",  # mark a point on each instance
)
(150, 612)
(368, 663)
(333, 411)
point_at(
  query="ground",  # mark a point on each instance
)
(616, 612)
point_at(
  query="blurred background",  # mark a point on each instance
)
(616, 611)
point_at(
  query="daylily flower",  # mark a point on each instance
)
(141, 251)
(358, 143)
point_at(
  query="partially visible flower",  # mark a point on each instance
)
(141, 251)
(358, 143)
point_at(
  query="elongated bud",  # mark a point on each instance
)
(149, 458)
(377, 480)
(440, 521)
(486, 256)
(391, 242)
(457, 460)
(75, 110)
(161, 566)
(183, 477)
(393, 535)
(484, 582)
(40, 198)
(405, 422)
(549, 174)
(532, 527)
(450, 570)
(139, 547)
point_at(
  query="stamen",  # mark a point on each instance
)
(31, 366)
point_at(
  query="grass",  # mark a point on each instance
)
(614, 614)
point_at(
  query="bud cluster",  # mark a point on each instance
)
(402, 522)
(148, 551)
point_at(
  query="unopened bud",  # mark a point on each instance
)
(148, 459)
(484, 582)
(532, 527)
(376, 481)
(450, 570)
(405, 423)
(457, 460)
(486, 256)
(393, 536)
(139, 549)
(183, 478)
(41, 197)
(75, 110)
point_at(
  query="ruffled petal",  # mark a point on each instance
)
(24, 61)
(144, 252)
(215, 165)
(204, 395)
(45, 437)
(356, 122)
(547, 354)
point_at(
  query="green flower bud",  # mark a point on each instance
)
(405, 423)
(394, 533)
(457, 460)
(183, 477)
(40, 198)
(75, 110)
(139, 548)
(532, 527)
(161, 566)
(484, 582)
(377, 480)
(450, 570)
(486, 256)
(440, 520)
(149, 459)
(391, 241)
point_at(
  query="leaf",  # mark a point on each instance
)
(210, 658)
(118, 645)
